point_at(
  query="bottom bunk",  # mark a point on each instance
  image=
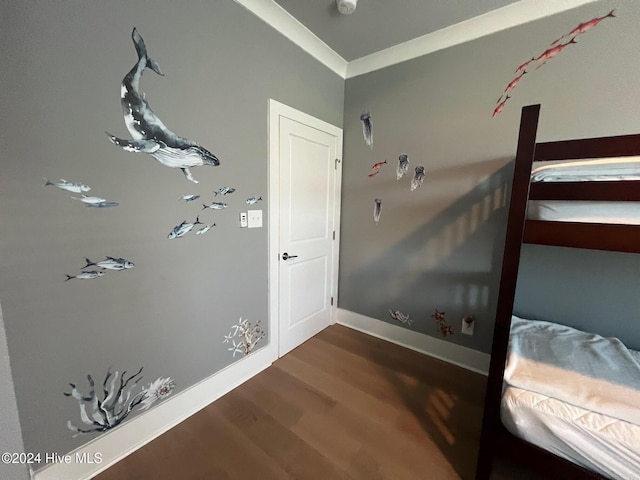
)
(574, 394)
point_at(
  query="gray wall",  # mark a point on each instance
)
(62, 67)
(440, 247)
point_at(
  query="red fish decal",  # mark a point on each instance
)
(552, 52)
(378, 165)
(583, 27)
(374, 173)
(524, 65)
(514, 82)
(500, 106)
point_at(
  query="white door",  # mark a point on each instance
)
(305, 203)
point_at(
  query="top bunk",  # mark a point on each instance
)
(579, 193)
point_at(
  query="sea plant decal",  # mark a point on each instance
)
(243, 337)
(117, 402)
(443, 326)
(400, 317)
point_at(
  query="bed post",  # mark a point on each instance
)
(491, 422)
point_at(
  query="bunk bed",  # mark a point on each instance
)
(622, 234)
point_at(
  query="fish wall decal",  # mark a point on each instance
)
(403, 166)
(149, 134)
(418, 177)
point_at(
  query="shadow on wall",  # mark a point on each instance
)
(451, 263)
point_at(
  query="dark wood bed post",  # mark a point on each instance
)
(491, 422)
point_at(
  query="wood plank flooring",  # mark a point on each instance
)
(343, 405)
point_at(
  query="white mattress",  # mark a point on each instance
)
(610, 169)
(598, 442)
(575, 394)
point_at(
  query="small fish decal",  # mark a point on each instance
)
(149, 134)
(552, 52)
(110, 263)
(400, 317)
(190, 197)
(215, 206)
(103, 204)
(418, 177)
(514, 82)
(373, 174)
(500, 106)
(91, 200)
(377, 209)
(253, 200)
(68, 186)
(205, 229)
(377, 166)
(182, 229)
(224, 191)
(583, 27)
(524, 65)
(403, 166)
(85, 275)
(367, 128)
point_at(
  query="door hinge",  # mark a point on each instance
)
(332, 301)
(335, 166)
(334, 234)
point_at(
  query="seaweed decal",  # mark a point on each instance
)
(117, 402)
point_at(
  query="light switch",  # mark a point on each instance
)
(255, 218)
(243, 219)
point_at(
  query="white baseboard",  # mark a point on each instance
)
(140, 430)
(449, 352)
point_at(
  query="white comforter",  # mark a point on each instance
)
(618, 168)
(583, 369)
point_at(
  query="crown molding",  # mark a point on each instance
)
(519, 13)
(503, 18)
(281, 20)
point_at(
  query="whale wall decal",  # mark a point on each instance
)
(149, 134)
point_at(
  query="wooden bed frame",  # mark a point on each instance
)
(612, 237)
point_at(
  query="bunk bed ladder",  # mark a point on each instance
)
(491, 423)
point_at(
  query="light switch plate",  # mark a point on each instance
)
(254, 218)
(243, 219)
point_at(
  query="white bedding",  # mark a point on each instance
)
(622, 168)
(598, 442)
(576, 394)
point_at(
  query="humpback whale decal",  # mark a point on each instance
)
(149, 134)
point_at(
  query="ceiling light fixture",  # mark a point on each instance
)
(346, 7)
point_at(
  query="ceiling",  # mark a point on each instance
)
(379, 24)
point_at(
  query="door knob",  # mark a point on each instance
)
(286, 256)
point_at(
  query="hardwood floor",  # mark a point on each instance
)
(343, 405)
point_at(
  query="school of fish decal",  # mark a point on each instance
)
(81, 188)
(109, 263)
(118, 400)
(243, 337)
(149, 134)
(554, 49)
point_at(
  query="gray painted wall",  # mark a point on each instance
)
(440, 247)
(62, 67)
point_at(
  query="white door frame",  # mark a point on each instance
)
(277, 110)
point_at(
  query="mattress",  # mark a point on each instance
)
(610, 169)
(575, 394)
(598, 442)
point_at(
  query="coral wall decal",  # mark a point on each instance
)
(243, 337)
